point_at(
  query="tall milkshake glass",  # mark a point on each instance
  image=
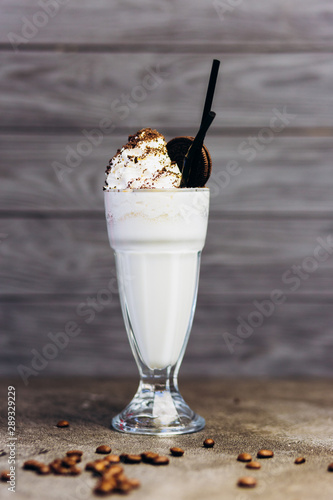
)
(157, 236)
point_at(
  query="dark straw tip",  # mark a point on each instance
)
(211, 88)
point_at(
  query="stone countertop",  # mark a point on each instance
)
(292, 417)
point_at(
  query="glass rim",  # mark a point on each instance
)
(156, 190)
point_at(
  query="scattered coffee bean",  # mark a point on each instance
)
(115, 480)
(90, 466)
(43, 469)
(121, 477)
(104, 448)
(67, 471)
(112, 477)
(74, 471)
(105, 486)
(123, 457)
(330, 467)
(148, 456)
(253, 465)
(265, 454)
(113, 459)
(69, 461)
(60, 470)
(133, 459)
(247, 482)
(71, 453)
(36, 466)
(100, 465)
(161, 460)
(65, 466)
(114, 470)
(244, 457)
(4, 475)
(299, 460)
(177, 452)
(63, 423)
(31, 465)
(123, 485)
(208, 443)
(55, 465)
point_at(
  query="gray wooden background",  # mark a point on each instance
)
(72, 66)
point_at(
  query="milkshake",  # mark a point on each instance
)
(157, 231)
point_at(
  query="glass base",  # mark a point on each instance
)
(159, 411)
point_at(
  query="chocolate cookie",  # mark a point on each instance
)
(201, 169)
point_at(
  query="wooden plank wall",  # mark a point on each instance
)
(71, 67)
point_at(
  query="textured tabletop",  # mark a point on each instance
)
(292, 418)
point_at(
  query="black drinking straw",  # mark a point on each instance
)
(207, 118)
(211, 89)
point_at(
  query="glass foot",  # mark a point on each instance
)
(157, 411)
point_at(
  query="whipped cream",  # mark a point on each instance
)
(142, 163)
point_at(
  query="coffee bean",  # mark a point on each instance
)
(65, 466)
(133, 459)
(161, 460)
(121, 477)
(123, 457)
(4, 475)
(105, 486)
(115, 480)
(104, 448)
(63, 423)
(71, 453)
(299, 460)
(74, 471)
(123, 485)
(43, 469)
(69, 461)
(100, 465)
(60, 470)
(244, 457)
(265, 454)
(55, 464)
(148, 456)
(330, 467)
(36, 466)
(113, 459)
(253, 465)
(177, 452)
(31, 465)
(208, 443)
(114, 470)
(247, 482)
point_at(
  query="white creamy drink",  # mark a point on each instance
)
(157, 235)
(157, 230)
